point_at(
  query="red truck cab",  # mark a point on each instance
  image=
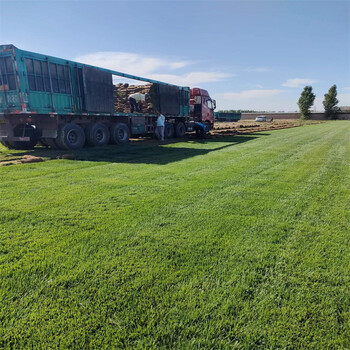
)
(202, 107)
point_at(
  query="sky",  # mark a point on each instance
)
(256, 55)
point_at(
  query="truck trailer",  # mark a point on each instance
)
(68, 105)
(227, 116)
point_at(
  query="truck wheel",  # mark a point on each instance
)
(120, 133)
(200, 133)
(29, 131)
(71, 136)
(97, 134)
(208, 126)
(169, 131)
(180, 130)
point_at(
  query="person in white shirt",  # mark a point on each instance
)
(160, 125)
(135, 99)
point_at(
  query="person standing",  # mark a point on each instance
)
(160, 125)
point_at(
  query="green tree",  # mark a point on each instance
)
(330, 103)
(305, 102)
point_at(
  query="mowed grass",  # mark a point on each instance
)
(230, 243)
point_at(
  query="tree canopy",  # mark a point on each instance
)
(330, 103)
(305, 102)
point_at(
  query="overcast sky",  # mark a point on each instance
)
(247, 54)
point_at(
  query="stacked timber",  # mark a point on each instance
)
(122, 92)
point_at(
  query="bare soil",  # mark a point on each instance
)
(249, 126)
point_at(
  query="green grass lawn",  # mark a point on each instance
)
(240, 242)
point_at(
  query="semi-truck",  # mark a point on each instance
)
(69, 105)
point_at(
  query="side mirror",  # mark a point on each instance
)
(214, 104)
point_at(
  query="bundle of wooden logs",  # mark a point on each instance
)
(122, 92)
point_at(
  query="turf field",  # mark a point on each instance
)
(238, 242)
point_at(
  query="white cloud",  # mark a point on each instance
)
(248, 94)
(297, 82)
(150, 67)
(192, 78)
(130, 63)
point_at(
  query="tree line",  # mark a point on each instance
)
(330, 102)
(305, 103)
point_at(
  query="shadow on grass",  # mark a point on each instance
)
(146, 151)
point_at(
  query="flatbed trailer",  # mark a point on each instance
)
(67, 105)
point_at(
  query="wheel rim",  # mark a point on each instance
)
(121, 134)
(99, 135)
(72, 136)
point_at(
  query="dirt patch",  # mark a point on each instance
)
(10, 162)
(22, 160)
(246, 127)
(31, 159)
(67, 156)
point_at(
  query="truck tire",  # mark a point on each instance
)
(180, 130)
(29, 131)
(169, 131)
(70, 136)
(208, 125)
(97, 134)
(200, 133)
(120, 133)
